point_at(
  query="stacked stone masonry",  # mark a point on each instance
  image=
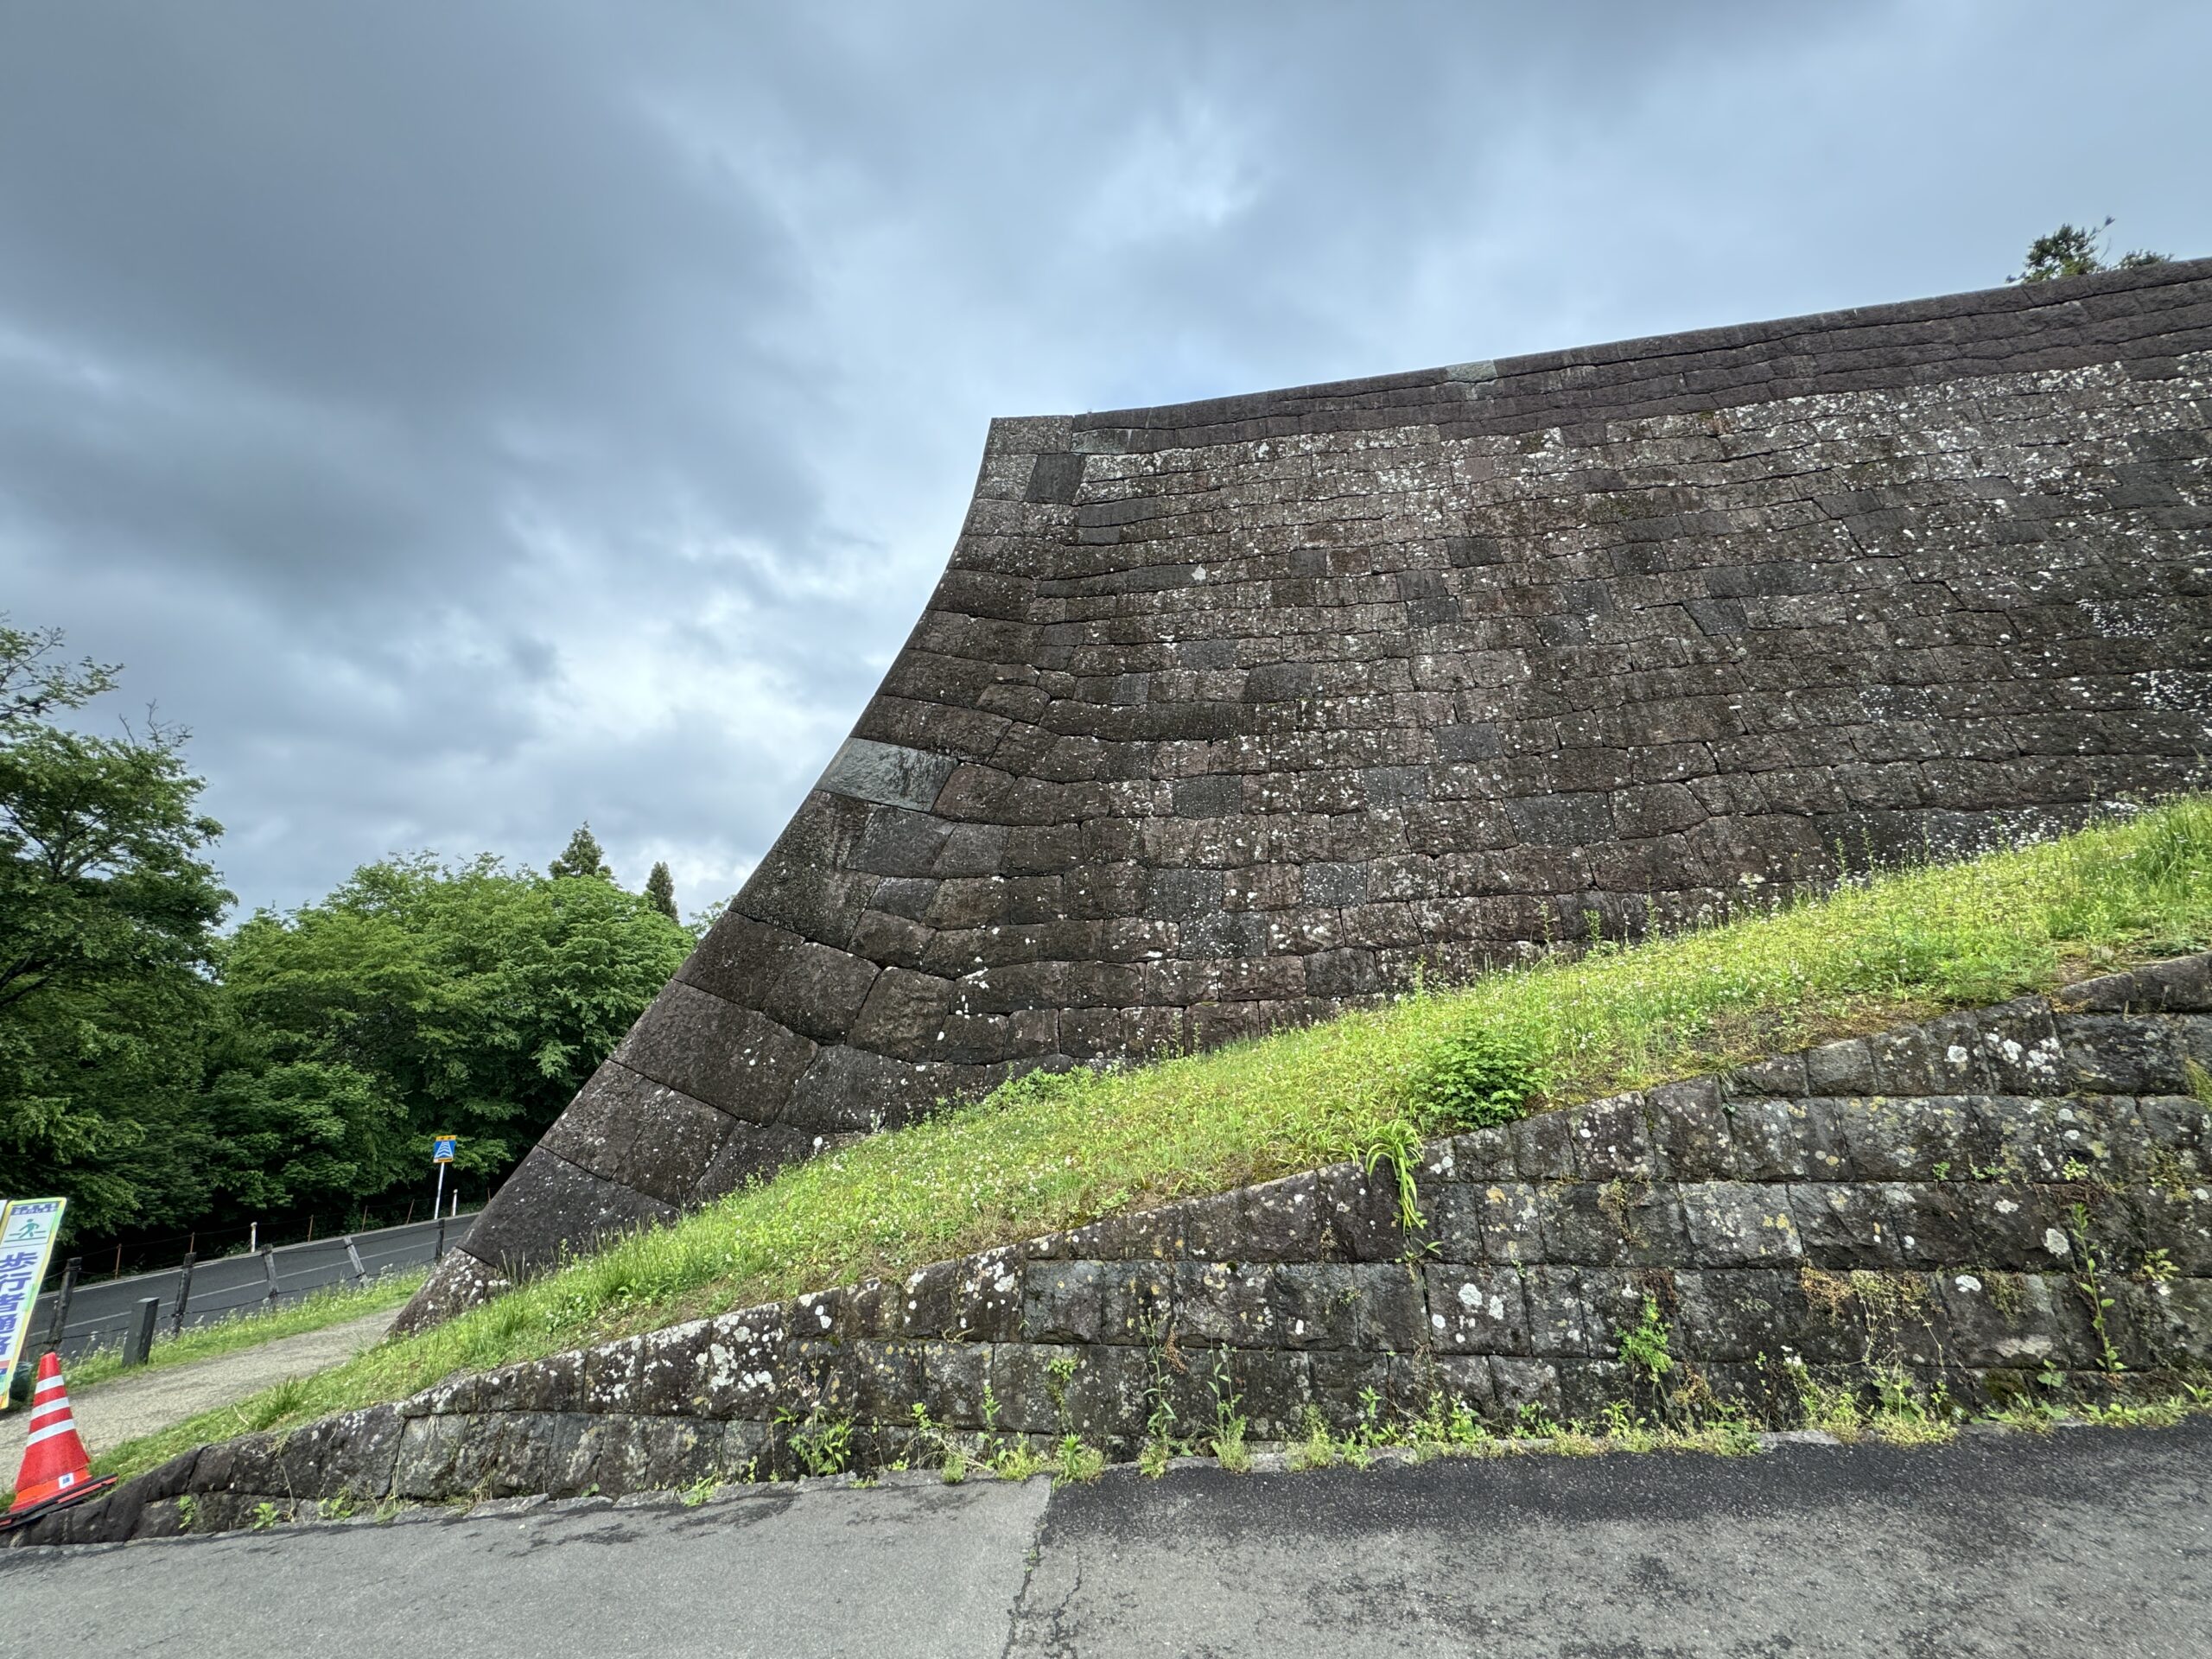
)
(1947, 1202)
(1226, 715)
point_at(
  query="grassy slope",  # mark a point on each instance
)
(1044, 1154)
(334, 1305)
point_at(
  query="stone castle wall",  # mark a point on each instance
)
(1950, 1203)
(1225, 715)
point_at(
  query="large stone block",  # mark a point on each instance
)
(1912, 1138)
(1732, 1225)
(1783, 1139)
(548, 1204)
(1617, 1224)
(1477, 1310)
(641, 1135)
(1494, 1221)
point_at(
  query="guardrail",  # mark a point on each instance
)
(104, 1314)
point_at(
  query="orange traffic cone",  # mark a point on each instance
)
(56, 1469)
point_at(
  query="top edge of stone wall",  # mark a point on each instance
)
(1446, 390)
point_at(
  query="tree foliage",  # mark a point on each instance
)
(107, 932)
(466, 999)
(660, 890)
(158, 1074)
(581, 856)
(2078, 251)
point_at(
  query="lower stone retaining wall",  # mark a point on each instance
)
(2013, 1202)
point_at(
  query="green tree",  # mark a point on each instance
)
(660, 890)
(581, 856)
(107, 933)
(2076, 251)
(422, 998)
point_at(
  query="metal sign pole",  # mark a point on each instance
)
(442, 1148)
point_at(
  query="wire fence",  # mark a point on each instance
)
(106, 1314)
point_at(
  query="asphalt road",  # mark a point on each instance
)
(2082, 1542)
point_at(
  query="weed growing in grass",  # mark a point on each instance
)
(1475, 1079)
(2090, 1283)
(1832, 1407)
(1904, 1417)
(2028, 1416)
(823, 1446)
(2200, 1083)
(188, 1511)
(1398, 1143)
(264, 1517)
(931, 1443)
(2137, 1414)
(1462, 1430)
(698, 1492)
(1160, 1442)
(1644, 1348)
(1900, 1413)
(1057, 1375)
(1077, 1462)
(1316, 1446)
(1570, 1440)
(273, 1405)
(1229, 1423)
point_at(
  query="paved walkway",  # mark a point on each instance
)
(2085, 1541)
(142, 1402)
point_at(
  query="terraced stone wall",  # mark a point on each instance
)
(1226, 715)
(1955, 1204)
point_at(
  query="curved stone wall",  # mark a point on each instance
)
(1227, 714)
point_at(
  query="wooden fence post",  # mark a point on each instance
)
(183, 1295)
(75, 1266)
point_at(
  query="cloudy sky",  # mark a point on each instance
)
(469, 418)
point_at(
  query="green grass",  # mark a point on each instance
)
(1048, 1152)
(317, 1309)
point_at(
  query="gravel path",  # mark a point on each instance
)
(128, 1406)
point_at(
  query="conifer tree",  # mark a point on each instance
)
(660, 889)
(2079, 251)
(581, 856)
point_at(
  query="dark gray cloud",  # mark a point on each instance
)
(473, 418)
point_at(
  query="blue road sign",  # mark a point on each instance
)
(442, 1148)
